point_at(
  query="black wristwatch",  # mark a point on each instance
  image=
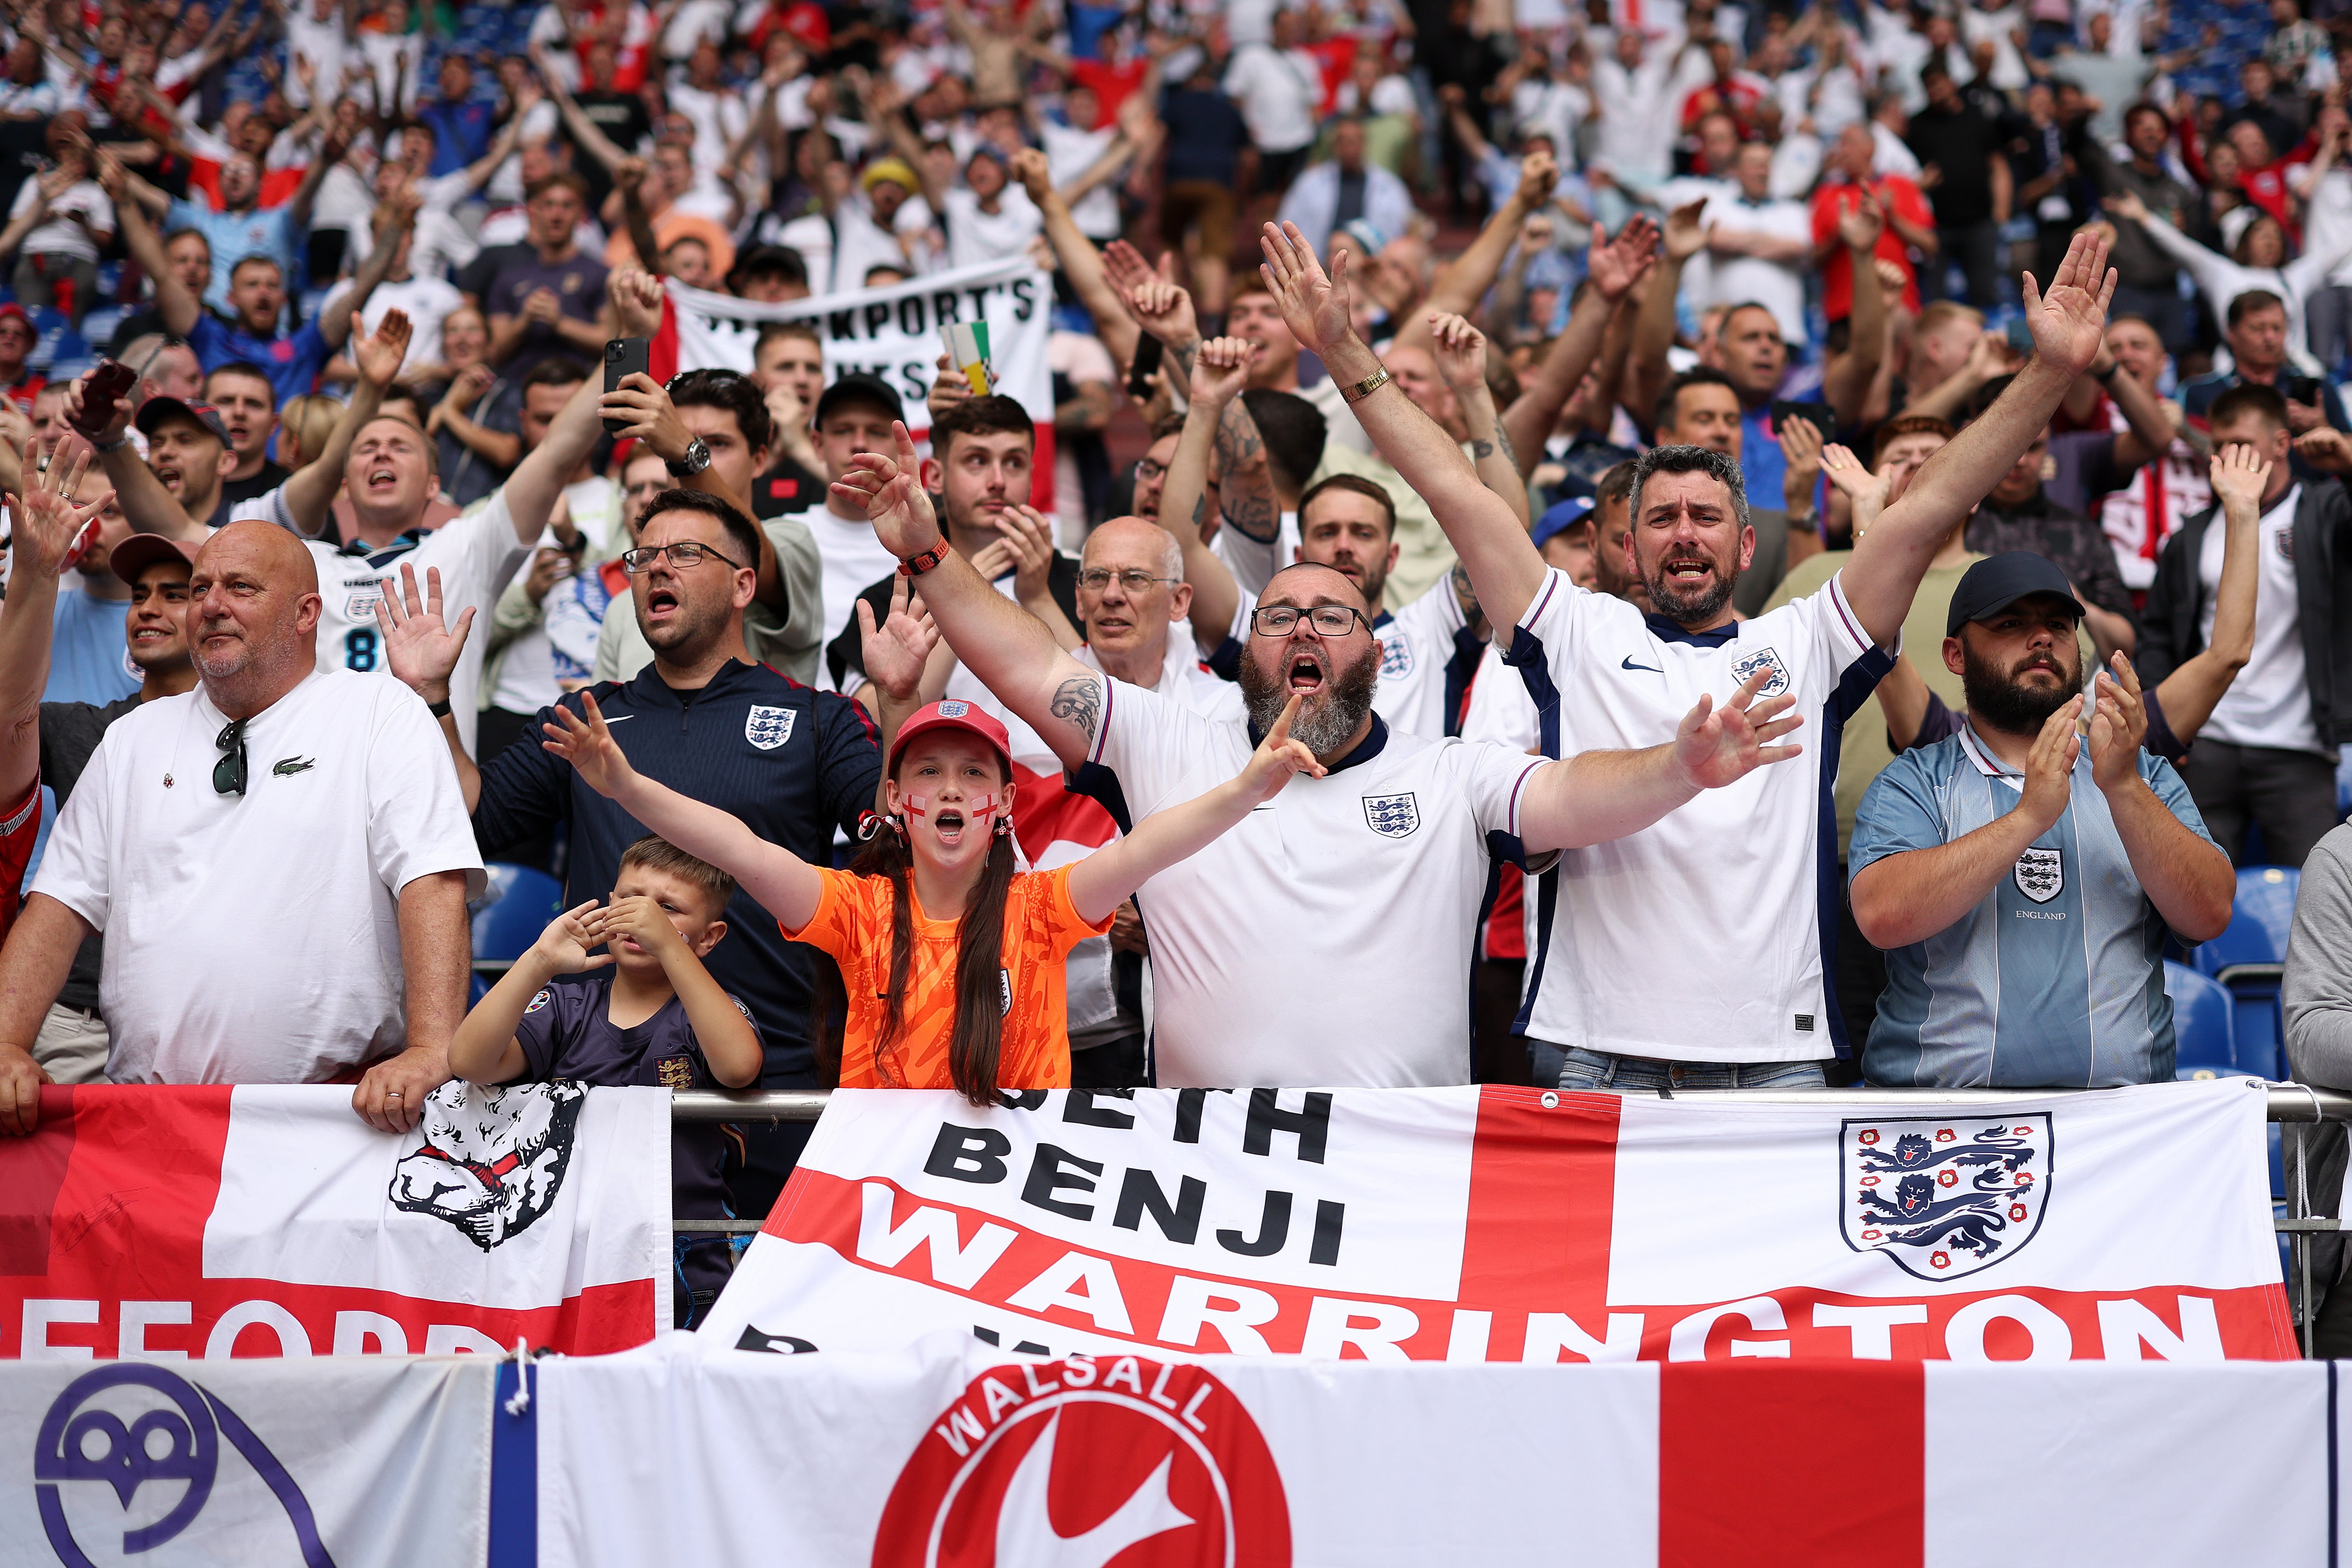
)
(696, 458)
(438, 710)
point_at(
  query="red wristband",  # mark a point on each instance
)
(916, 566)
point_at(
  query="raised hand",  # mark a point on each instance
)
(1720, 747)
(2049, 767)
(1684, 236)
(1029, 168)
(2323, 446)
(1800, 445)
(1848, 473)
(1277, 757)
(50, 523)
(1861, 223)
(1316, 306)
(1221, 370)
(380, 354)
(1158, 304)
(589, 747)
(77, 414)
(562, 947)
(2125, 205)
(1618, 264)
(1030, 535)
(2070, 322)
(637, 920)
(420, 647)
(641, 410)
(1539, 175)
(2241, 475)
(637, 297)
(895, 503)
(898, 650)
(1460, 350)
(2118, 725)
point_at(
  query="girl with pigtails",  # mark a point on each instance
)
(952, 960)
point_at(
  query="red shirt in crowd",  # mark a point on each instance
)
(1899, 197)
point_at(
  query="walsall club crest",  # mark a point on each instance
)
(1744, 668)
(1943, 1196)
(768, 728)
(1393, 816)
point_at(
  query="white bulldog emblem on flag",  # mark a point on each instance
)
(493, 1159)
(1944, 1197)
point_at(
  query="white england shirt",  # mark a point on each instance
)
(1701, 938)
(256, 939)
(477, 557)
(1325, 938)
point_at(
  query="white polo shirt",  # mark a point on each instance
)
(477, 557)
(256, 939)
(1325, 938)
(1706, 936)
(2269, 704)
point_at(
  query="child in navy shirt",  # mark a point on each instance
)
(653, 1016)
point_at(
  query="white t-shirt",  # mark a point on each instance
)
(1384, 861)
(718, 119)
(1277, 92)
(323, 44)
(59, 234)
(854, 561)
(2270, 702)
(974, 237)
(477, 555)
(527, 677)
(1777, 285)
(256, 939)
(1070, 153)
(1739, 874)
(428, 300)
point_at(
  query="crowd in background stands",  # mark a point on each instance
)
(1826, 283)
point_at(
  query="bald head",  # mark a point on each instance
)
(253, 616)
(1131, 590)
(1308, 583)
(1119, 539)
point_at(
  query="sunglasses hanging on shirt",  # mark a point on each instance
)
(228, 774)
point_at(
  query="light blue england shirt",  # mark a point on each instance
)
(2056, 980)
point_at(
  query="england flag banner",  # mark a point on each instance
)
(209, 1221)
(893, 332)
(1505, 1224)
(952, 1454)
(262, 1464)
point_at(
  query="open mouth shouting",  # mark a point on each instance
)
(1306, 674)
(1687, 571)
(167, 473)
(381, 481)
(949, 823)
(661, 604)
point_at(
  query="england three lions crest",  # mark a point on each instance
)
(1943, 1196)
(768, 728)
(1393, 816)
(2042, 874)
(1744, 668)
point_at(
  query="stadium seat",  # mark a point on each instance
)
(515, 907)
(2247, 958)
(2201, 1024)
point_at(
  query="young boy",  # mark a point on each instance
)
(656, 1016)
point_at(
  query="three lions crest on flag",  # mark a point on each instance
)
(1944, 1197)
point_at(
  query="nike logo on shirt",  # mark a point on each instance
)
(611, 719)
(1654, 669)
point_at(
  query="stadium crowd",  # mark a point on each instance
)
(1654, 545)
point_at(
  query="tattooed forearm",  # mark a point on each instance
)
(1077, 702)
(1183, 354)
(1481, 449)
(1465, 594)
(1503, 439)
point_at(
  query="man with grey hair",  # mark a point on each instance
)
(167, 367)
(1693, 954)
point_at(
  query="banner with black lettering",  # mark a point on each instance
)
(957, 1454)
(208, 1222)
(1505, 1224)
(892, 332)
(263, 1464)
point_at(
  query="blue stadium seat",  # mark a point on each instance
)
(2247, 958)
(517, 907)
(2201, 1024)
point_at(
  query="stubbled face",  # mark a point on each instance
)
(249, 409)
(645, 477)
(1152, 476)
(1754, 356)
(2021, 664)
(683, 905)
(1571, 550)
(1614, 571)
(1704, 415)
(1690, 546)
(156, 624)
(1350, 534)
(1333, 677)
(950, 789)
(541, 405)
(2272, 441)
(1903, 458)
(1255, 317)
(851, 429)
(683, 610)
(982, 475)
(258, 294)
(186, 459)
(387, 474)
(2023, 480)
(796, 364)
(191, 262)
(252, 605)
(2138, 349)
(1123, 618)
(732, 458)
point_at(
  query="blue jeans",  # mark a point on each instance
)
(1583, 1070)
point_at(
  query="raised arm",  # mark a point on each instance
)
(584, 131)
(47, 522)
(1461, 353)
(2188, 878)
(146, 504)
(2189, 694)
(1462, 285)
(180, 309)
(310, 494)
(2208, 267)
(1485, 533)
(1655, 333)
(404, 205)
(1846, 386)
(2068, 326)
(540, 478)
(779, 881)
(1218, 370)
(1081, 262)
(331, 152)
(1012, 654)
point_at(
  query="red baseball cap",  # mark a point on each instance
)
(954, 713)
(140, 550)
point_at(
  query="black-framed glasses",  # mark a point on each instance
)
(1328, 620)
(1095, 579)
(682, 555)
(228, 774)
(1144, 468)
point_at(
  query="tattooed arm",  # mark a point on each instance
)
(1467, 597)
(1460, 351)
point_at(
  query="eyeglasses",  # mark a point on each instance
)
(1144, 468)
(637, 562)
(1095, 579)
(228, 774)
(1329, 620)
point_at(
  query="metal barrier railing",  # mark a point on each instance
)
(2290, 1102)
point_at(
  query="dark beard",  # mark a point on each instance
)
(1326, 720)
(2000, 701)
(1686, 608)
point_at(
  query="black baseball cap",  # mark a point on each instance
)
(155, 410)
(859, 387)
(1997, 581)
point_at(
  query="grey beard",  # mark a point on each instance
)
(1325, 721)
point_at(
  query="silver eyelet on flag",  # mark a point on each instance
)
(1550, 1101)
